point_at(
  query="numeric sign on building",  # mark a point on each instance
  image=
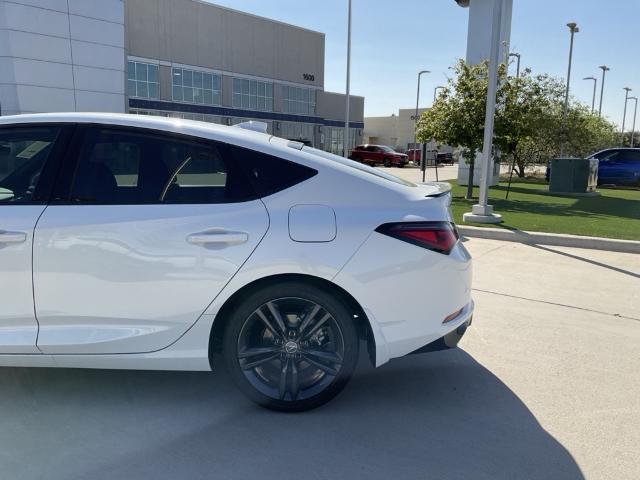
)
(309, 76)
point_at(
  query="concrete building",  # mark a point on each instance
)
(396, 131)
(178, 58)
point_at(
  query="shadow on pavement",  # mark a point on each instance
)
(440, 415)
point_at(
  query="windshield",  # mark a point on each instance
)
(387, 149)
(358, 166)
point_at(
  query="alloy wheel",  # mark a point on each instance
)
(290, 348)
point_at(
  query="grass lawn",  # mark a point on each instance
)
(613, 214)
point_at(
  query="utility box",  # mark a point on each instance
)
(573, 175)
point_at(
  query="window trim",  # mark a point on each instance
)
(43, 193)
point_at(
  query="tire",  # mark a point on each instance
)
(401, 164)
(387, 163)
(291, 346)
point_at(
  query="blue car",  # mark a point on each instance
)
(616, 166)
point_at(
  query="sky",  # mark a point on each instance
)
(394, 39)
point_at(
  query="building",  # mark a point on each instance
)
(396, 131)
(177, 58)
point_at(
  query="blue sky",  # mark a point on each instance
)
(393, 39)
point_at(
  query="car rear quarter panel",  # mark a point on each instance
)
(407, 291)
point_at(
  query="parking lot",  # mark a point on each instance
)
(546, 384)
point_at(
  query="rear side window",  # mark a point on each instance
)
(631, 156)
(269, 174)
(136, 167)
(23, 154)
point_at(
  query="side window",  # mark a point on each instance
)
(610, 156)
(269, 174)
(129, 167)
(631, 156)
(23, 153)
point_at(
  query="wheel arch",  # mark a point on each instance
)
(362, 322)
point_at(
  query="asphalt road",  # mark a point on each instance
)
(546, 385)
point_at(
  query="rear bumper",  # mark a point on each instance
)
(450, 340)
(407, 292)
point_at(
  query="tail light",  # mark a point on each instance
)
(437, 236)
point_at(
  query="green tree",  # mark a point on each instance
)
(527, 118)
(528, 123)
(457, 116)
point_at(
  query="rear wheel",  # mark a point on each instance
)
(291, 346)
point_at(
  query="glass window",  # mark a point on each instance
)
(142, 80)
(269, 174)
(334, 140)
(23, 153)
(252, 95)
(120, 167)
(195, 87)
(298, 100)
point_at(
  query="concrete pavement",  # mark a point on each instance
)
(546, 384)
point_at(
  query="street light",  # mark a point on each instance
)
(415, 120)
(573, 28)
(624, 113)
(593, 100)
(605, 69)
(517, 55)
(435, 91)
(635, 110)
(482, 212)
(345, 146)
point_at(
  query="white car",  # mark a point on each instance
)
(151, 243)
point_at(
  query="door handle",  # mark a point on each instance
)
(12, 237)
(218, 237)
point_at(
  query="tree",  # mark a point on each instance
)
(528, 119)
(457, 116)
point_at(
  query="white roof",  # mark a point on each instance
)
(213, 131)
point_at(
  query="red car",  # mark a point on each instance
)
(378, 154)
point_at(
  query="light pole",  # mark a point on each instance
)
(604, 69)
(635, 110)
(593, 100)
(346, 116)
(482, 212)
(624, 113)
(435, 91)
(517, 55)
(573, 28)
(415, 119)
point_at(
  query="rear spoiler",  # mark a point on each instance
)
(436, 189)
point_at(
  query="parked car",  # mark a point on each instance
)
(142, 242)
(378, 155)
(616, 166)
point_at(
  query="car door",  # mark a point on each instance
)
(152, 228)
(28, 155)
(608, 166)
(628, 167)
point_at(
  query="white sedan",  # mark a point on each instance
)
(151, 243)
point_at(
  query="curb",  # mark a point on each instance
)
(559, 240)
